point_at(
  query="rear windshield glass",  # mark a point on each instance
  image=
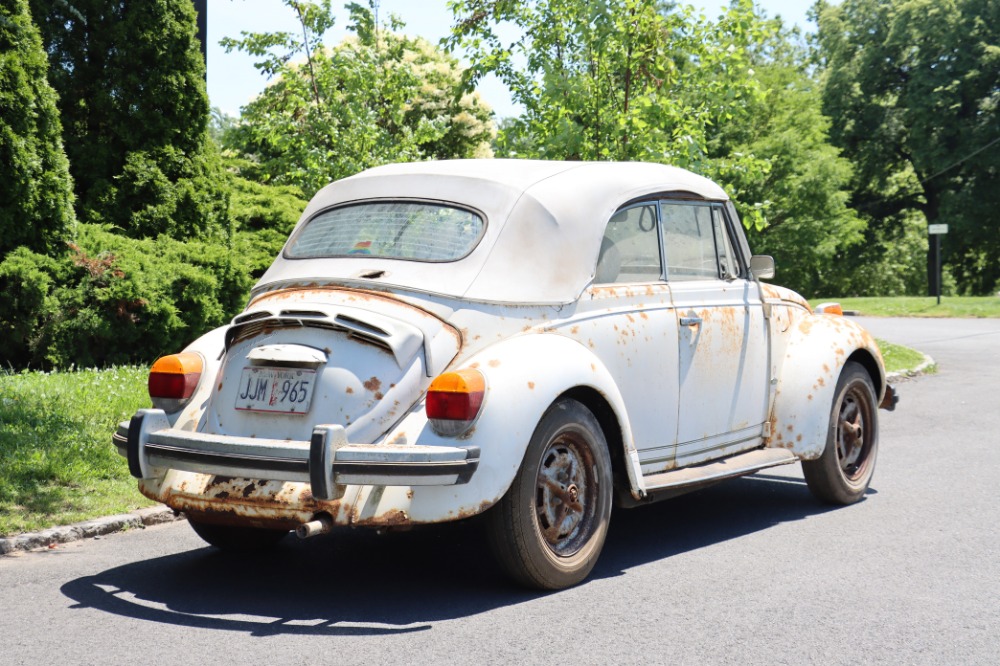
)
(389, 230)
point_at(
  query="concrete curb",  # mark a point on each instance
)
(92, 528)
(926, 365)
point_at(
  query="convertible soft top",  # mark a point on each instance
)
(544, 224)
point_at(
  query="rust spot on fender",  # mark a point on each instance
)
(349, 390)
(373, 384)
(378, 395)
(531, 385)
(574, 330)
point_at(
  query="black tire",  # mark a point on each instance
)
(548, 530)
(232, 538)
(842, 474)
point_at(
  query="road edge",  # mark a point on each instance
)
(925, 366)
(53, 536)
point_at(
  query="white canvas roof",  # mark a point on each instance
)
(544, 224)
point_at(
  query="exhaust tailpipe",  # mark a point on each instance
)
(320, 524)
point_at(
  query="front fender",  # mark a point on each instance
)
(816, 350)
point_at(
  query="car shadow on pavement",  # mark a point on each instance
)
(357, 582)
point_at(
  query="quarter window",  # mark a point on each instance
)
(630, 251)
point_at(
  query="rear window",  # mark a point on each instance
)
(417, 231)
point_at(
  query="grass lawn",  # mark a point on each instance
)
(920, 306)
(899, 358)
(57, 463)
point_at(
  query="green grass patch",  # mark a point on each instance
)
(899, 358)
(57, 463)
(920, 306)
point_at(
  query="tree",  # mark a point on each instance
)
(811, 229)
(130, 79)
(621, 80)
(36, 195)
(912, 88)
(377, 97)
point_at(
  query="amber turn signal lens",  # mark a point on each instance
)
(454, 400)
(829, 308)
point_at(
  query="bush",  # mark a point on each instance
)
(112, 299)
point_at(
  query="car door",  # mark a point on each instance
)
(722, 348)
(628, 321)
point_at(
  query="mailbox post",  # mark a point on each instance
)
(937, 230)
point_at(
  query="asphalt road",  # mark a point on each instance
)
(752, 571)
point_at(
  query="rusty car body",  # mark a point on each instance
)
(534, 340)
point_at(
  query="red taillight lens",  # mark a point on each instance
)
(454, 400)
(173, 380)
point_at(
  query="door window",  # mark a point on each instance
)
(696, 242)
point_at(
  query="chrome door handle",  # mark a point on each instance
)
(690, 321)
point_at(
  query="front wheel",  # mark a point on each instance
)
(548, 530)
(842, 474)
(232, 538)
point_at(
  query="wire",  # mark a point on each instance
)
(970, 155)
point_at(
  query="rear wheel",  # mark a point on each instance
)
(548, 530)
(235, 538)
(842, 474)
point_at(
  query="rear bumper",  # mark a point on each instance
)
(327, 461)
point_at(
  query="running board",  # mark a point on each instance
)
(738, 465)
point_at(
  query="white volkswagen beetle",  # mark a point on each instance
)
(535, 340)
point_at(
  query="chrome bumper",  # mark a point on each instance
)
(327, 461)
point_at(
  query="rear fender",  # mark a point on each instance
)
(524, 376)
(210, 347)
(817, 349)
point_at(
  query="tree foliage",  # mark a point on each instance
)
(912, 86)
(36, 196)
(377, 97)
(807, 187)
(134, 110)
(620, 80)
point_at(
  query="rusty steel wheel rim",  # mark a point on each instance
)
(854, 436)
(566, 494)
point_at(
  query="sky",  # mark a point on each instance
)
(233, 81)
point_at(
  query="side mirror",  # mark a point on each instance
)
(762, 266)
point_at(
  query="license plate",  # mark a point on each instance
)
(278, 390)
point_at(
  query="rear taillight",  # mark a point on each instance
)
(454, 400)
(173, 380)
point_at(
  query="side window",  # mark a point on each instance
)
(630, 251)
(689, 239)
(729, 266)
